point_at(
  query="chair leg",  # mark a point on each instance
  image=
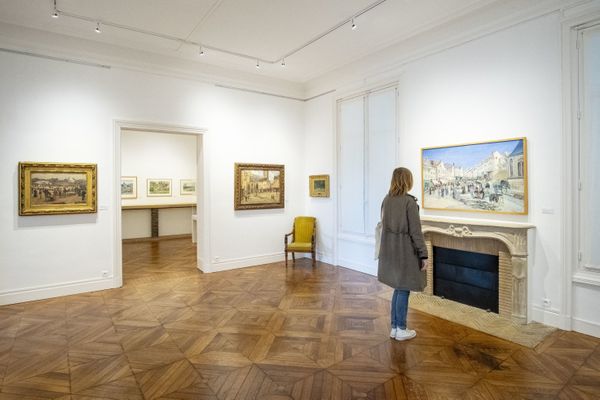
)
(286, 257)
(293, 258)
(313, 258)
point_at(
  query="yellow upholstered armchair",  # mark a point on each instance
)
(303, 238)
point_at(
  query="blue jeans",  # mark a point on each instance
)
(399, 308)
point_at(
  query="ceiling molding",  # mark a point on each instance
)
(52, 46)
(391, 60)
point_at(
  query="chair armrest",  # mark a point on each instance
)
(285, 238)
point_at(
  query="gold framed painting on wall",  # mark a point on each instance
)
(487, 177)
(129, 187)
(47, 188)
(319, 185)
(259, 186)
(158, 188)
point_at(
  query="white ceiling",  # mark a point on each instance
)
(267, 29)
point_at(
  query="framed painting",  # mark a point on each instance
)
(187, 187)
(259, 186)
(477, 177)
(319, 185)
(158, 188)
(57, 188)
(129, 187)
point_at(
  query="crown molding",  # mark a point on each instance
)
(497, 17)
(62, 48)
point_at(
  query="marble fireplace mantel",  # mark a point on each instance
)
(508, 240)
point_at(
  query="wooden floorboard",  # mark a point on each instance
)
(266, 332)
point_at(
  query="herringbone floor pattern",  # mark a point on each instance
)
(266, 333)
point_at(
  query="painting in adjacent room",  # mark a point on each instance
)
(56, 188)
(159, 188)
(478, 177)
(128, 187)
(259, 186)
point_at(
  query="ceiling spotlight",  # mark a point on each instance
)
(257, 65)
(354, 27)
(55, 13)
(283, 62)
(201, 51)
(98, 28)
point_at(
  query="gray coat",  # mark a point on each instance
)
(402, 244)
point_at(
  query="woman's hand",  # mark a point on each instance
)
(424, 264)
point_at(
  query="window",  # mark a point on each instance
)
(367, 157)
(589, 149)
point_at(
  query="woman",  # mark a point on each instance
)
(402, 254)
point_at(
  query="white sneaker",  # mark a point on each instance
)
(405, 334)
(393, 332)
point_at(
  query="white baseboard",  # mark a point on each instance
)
(550, 317)
(587, 327)
(242, 262)
(325, 258)
(56, 290)
(358, 267)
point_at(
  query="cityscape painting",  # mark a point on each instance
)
(259, 186)
(479, 177)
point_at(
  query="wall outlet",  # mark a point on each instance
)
(105, 274)
(546, 302)
(217, 259)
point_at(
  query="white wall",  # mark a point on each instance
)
(504, 85)
(150, 155)
(55, 111)
(320, 160)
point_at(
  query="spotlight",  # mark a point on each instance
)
(98, 28)
(354, 27)
(55, 14)
(257, 65)
(283, 62)
(201, 51)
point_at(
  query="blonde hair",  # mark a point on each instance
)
(402, 182)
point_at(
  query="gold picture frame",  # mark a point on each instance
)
(47, 188)
(481, 177)
(259, 186)
(129, 187)
(318, 185)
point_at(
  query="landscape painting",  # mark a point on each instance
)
(53, 188)
(259, 186)
(128, 187)
(318, 185)
(159, 188)
(480, 177)
(187, 187)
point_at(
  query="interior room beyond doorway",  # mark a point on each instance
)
(158, 193)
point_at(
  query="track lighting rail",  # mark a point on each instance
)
(204, 47)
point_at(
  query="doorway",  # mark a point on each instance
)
(160, 197)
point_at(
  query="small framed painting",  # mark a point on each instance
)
(158, 188)
(259, 186)
(57, 188)
(187, 187)
(129, 187)
(319, 185)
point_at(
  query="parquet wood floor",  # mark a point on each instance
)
(266, 332)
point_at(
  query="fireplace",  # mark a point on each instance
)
(466, 277)
(505, 242)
